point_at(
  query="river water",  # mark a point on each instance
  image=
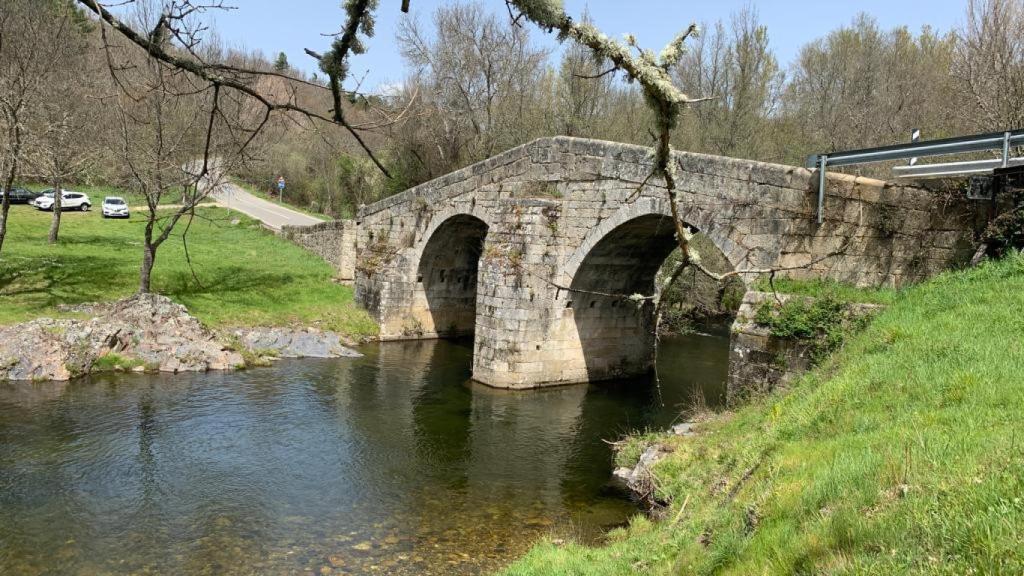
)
(393, 463)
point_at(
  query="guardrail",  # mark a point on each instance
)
(1004, 141)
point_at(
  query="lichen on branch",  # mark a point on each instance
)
(653, 73)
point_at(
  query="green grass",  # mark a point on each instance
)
(902, 454)
(112, 362)
(838, 291)
(247, 276)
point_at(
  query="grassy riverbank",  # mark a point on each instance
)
(902, 454)
(246, 276)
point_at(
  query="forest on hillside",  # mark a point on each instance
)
(474, 85)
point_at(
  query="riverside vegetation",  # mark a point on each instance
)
(244, 276)
(898, 454)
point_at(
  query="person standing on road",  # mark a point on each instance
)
(280, 187)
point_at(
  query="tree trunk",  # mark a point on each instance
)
(5, 208)
(12, 172)
(148, 259)
(55, 222)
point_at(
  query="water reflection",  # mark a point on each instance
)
(391, 463)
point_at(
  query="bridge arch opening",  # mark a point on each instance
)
(617, 336)
(447, 276)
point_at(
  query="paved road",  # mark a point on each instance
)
(273, 215)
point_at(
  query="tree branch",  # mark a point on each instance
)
(218, 73)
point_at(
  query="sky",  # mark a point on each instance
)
(289, 26)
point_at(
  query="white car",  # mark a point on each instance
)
(44, 195)
(69, 200)
(114, 207)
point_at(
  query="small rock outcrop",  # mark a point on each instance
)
(294, 343)
(147, 331)
(639, 479)
(144, 332)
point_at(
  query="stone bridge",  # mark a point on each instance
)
(513, 248)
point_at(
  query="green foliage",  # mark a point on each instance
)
(695, 299)
(281, 63)
(247, 276)
(250, 358)
(824, 322)
(630, 448)
(902, 457)
(1005, 233)
(116, 363)
(799, 318)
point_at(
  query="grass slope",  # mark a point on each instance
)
(247, 276)
(904, 454)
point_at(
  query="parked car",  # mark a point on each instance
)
(114, 207)
(69, 200)
(21, 195)
(44, 195)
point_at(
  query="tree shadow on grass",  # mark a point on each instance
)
(222, 281)
(46, 282)
(107, 242)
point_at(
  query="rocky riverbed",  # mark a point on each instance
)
(146, 332)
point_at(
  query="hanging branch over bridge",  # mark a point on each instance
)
(653, 72)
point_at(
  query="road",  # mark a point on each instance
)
(272, 215)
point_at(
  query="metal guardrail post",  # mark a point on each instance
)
(822, 166)
(1006, 149)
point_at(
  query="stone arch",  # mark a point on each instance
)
(447, 262)
(621, 256)
(438, 218)
(700, 219)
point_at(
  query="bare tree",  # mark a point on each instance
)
(863, 86)
(989, 64)
(736, 66)
(178, 136)
(476, 75)
(585, 85)
(63, 119)
(27, 68)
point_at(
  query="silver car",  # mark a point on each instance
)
(115, 207)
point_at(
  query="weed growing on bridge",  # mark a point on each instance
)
(823, 322)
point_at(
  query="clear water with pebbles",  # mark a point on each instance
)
(393, 463)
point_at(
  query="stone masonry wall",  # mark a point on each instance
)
(760, 362)
(334, 241)
(548, 204)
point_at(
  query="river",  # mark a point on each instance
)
(394, 463)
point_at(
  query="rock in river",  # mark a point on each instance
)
(292, 343)
(145, 331)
